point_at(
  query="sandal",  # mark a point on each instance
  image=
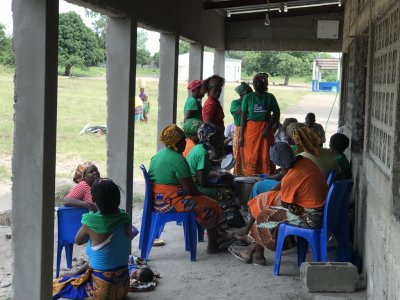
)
(236, 253)
(259, 262)
(223, 246)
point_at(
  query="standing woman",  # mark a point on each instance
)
(260, 111)
(212, 110)
(193, 106)
(236, 111)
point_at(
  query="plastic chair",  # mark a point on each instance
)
(153, 224)
(335, 221)
(331, 178)
(68, 222)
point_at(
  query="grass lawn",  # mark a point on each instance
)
(82, 101)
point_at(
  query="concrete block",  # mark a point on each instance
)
(329, 277)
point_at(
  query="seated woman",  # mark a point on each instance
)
(199, 162)
(298, 201)
(170, 175)
(190, 128)
(108, 240)
(338, 143)
(80, 195)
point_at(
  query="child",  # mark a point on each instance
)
(107, 233)
(338, 144)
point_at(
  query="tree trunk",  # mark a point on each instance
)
(286, 80)
(67, 71)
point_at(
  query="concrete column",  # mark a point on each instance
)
(33, 163)
(219, 68)
(167, 86)
(121, 72)
(196, 61)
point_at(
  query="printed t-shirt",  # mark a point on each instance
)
(234, 106)
(81, 191)
(167, 166)
(193, 104)
(259, 108)
(198, 159)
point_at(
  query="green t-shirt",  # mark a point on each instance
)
(344, 166)
(193, 104)
(167, 166)
(234, 106)
(259, 108)
(198, 159)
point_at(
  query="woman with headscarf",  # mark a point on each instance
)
(298, 200)
(260, 111)
(308, 145)
(200, 167)
(236, 111)
(190, 128)
(171, 178)
(81, 195)
(193, 108)
(212, 110)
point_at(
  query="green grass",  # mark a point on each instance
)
(83, 101)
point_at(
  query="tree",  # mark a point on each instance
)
(155, 59)
(99, 23)
(286, 65)
(6, 51)
(184, 47)
(77, 44)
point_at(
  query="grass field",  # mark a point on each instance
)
(82, 101)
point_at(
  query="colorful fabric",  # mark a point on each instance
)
(256, 159)
(205, 132)
(170, 198)
(303, 136)
(194, 84)
(198, 159)
(193, 104)
(80, 171)
(265, 229)
(171, 135)
(282, 155)
(167, 167)
(146, 107)
(102, 224)
(344, 166)
(319, 130)
(259, 108)
(81, 191)
(93, 284)
(224, 196)
(191, 126)
(235, 105)
(237, 153)
(213, 113)
(324, 160)
(303, 185)
(243, 88)
(189, 146)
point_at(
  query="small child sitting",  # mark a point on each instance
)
(338, 144)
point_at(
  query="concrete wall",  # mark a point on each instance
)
(376, 190)
(291, 34)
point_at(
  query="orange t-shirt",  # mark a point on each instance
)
(189, 145)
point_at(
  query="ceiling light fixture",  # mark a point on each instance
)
(267, 21)
(285, 7)
(340, 3)
(228, 14)
(281, 7)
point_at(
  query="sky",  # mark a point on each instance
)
(153, 44)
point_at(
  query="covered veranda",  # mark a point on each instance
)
(223, 25)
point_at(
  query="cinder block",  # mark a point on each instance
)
(329, 277)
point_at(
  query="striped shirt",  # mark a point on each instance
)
(81, 191)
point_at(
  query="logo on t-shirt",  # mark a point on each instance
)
(259, 108)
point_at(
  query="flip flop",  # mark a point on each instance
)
(158, 242)
(223, 246)
(259, 262)
(235, 252)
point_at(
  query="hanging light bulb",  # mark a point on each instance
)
(228, 14)
(281, 7)
(267, 21)
(340, 3)
(285, 8)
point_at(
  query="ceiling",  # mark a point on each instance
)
(244, 10)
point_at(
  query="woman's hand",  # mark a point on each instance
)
(91, 206)
(264, 135)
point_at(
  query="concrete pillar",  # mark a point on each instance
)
(121, 72)
(219, 68)
(196, 57)
(33, 163)
(167, 86)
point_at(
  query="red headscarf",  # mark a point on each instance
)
(194, 84)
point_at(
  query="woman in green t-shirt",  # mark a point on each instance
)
(260, 112)
(193, 108)
(236, 111)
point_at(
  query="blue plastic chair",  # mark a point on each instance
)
(331, 178)
(335, 221)
(68, 223)
(153, 224)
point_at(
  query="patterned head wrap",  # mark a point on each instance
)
(205, 132)
(243, 89)
(80, 171)
(261, 77)
(171, 135)
(194, 84)
(288, 121)
(282, 155)
(304, 137)
(191, 126)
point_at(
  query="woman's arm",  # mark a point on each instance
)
(82, 236)
(188, 186)
(189, 114)
(71, 202)
(243, 123)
